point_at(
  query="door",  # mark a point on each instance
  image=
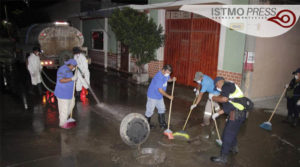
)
(191, 45)
(124, 58)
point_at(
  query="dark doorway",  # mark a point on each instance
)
(124, 58)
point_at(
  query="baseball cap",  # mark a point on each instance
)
(71, 61)
(198, 75)
(297, 71)
(218, 79)
(76, 50)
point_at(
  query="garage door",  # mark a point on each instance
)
(191, 45)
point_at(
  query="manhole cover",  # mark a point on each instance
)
(134, 129)
(150, 156)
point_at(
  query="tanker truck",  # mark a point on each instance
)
(56, 41)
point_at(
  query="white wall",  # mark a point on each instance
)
(276, 58)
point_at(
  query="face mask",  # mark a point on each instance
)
(296, 77)
(219, 89)
(199, 82)
(167, 74)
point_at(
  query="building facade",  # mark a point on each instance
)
(194, 43)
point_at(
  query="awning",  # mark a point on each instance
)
(102, 13)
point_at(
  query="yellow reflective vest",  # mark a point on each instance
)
(237, 94)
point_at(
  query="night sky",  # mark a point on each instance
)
(23, 14)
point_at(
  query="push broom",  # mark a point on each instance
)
(168, 132)
(182, 134)
(267, 125)
(72, 122)
(219, 141)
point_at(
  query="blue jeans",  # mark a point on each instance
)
(152, 103)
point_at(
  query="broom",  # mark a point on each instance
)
(267, 125)
(72, 122)
(182, 134)
(168, 132)
(219, 141)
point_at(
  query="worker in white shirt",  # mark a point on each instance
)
(83, 80)
(34, 67)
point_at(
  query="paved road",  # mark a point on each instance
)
(32, 138)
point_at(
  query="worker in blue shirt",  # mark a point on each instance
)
(207, 85)
(64, 91)
(156, 91)
(236, 116)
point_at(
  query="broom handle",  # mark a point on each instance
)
(93, 93)
(213, 110)
(71, 115)
(277, 104)
(189, 114)
(170, 109)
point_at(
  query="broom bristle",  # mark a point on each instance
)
(181, 136)
(219, 142)
(170, 136)
(71, 123)
(266, 126)
(169, 133)
(71, 120)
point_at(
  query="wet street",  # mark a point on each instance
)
(31, 137)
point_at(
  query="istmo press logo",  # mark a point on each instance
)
(255, 20)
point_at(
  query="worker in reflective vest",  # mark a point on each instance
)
(236, 116)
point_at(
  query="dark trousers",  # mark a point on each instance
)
(229, 137)
(293, 109)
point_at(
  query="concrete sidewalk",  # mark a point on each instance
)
(269, 104)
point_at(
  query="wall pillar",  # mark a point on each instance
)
(247, 75)
(105, 42)
(155, 66)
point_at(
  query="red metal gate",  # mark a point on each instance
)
(191, 45)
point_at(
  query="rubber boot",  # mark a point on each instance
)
(288, 119)
(221, 159)
(235, 149)
(161, 120)
(149, 121)
(295, 122)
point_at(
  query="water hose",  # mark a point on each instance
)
(53, 82)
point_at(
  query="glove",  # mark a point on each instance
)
(210, 96)
(74, 78)
(215, 115)
(298, 103)
(193, 106)
(217, 108)
(196, 91)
